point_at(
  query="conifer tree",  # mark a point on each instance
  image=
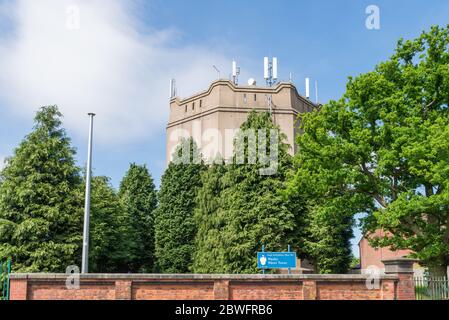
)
(139, 199)
(40, 200)
(175, 227)
(208, 218)
(241, 208)
(110, 230)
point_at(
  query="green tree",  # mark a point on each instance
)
(209, 257)
(40, 200)
(175, 228)
(324, 224)
(139, 198)
(383, 150)
(110, 230)
(240, 207)
(355, 262)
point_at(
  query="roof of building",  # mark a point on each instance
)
(237, 88)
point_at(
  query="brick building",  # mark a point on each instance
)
(370, 256)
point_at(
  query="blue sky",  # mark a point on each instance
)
(117, 62)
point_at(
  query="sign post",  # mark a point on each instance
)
(263, 250)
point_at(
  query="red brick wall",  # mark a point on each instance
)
(388, 290)
(209, 287)
(346, 291)
(407, 290)
(173, 291)
(58, 291)
(18, 289)
(266, 291)
(123, 289)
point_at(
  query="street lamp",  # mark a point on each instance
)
(85, 257)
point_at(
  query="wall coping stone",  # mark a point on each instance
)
(232, 277)
(399, 265)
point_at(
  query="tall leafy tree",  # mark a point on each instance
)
(209, 255)
(110, 230)
(240, 207)
(175, 227)
(325, 223)
(325, 230)
(40, 200)
(383, 150)
(139, 199)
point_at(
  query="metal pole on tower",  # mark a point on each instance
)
(218, 72)
(85, 256)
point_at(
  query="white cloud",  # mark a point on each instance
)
(107, 66)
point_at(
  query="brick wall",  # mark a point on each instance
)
(173, 290)
(397, 283)
(403, 269)
(290, 288)
(269, 290)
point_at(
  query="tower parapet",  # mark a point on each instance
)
(212, 117)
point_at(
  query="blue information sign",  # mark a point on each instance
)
(276, 260)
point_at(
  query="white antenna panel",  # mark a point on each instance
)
(172, 88)
(307, 88)
(234, 68)
(266, 67)
(275, 68)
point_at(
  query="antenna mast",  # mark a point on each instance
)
(235, 72)
(270, 72)
(218, 71)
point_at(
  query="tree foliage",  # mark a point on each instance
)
(175, 228)
(139, 199)
(209, 255)
(325, 223)
(40, 200)
(383, 150)
(110, 230)
(240, 209)
(41, 208)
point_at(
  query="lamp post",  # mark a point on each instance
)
(85, 257)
